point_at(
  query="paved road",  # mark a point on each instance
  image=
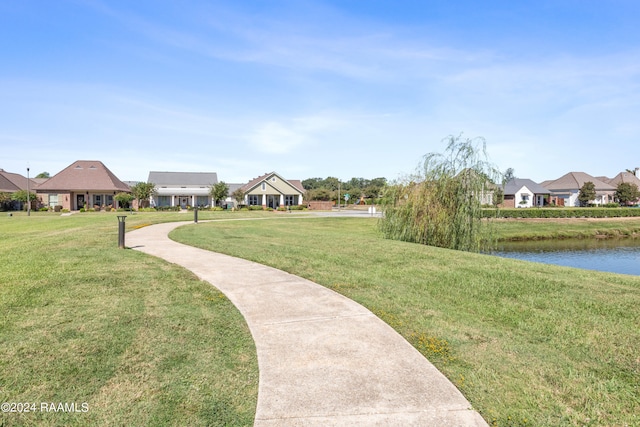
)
(324, 360)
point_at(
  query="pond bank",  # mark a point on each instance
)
(564, 228)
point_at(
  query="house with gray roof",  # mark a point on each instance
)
(182, 188)
(524, 193)
(83, 183)
(568, 186)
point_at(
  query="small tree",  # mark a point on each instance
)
(219, 192)
(627, 193)
(587, 193)
(43, 175)
(143, 191)
(238, 196)
(498, 196)
(5, 201)
(123, 199)
(22, 197)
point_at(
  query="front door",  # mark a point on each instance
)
(79, 201)
(183, 202)
(273, 202)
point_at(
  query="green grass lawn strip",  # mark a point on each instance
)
(527, 343)
(141, 341)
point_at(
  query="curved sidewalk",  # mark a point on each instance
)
(323, 359)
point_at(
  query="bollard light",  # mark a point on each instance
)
(121, 225)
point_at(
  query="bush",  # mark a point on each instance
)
(561, 213)
(255, 208)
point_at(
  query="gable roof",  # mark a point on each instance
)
(84, 175)
(516, 184)
(575, 181)
(12, 182)
(294, 183)
(183, 178)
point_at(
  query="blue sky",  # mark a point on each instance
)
(348, 88)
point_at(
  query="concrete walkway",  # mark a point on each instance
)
(324, 360)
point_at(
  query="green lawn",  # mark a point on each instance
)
(518, 229)
(147, 343)
(528, 344)
(140, 341)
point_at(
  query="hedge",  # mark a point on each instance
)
(561, 213)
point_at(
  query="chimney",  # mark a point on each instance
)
(637, 170)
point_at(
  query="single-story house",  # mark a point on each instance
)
(14, 182)
(523, 193)
(83, 183)
(568, 186)
(182, 188)
(624, 177)
(272, 191)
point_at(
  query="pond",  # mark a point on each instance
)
(611, 255)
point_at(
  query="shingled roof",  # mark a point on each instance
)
(516, 184)
(183, 178)
(12, 182)
(575, 181)
(84, 175)
(627, 177)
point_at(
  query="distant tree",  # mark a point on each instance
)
(508, 175)
(22, 197)
(498, 196)
(312, 183)
(219, 192)
(627, 193)
(238, 196)
(43, 175)
(124, 199)
(587, 193)
(142, 192)
(5, 200)
(319, 194)
(331, 183)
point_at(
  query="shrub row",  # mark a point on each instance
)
(562, 213)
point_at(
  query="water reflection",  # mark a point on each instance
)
(612, 255)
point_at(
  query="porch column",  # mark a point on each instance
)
(281, 199)
(193, 201)
(264, 200)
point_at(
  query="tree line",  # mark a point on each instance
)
(331, 188)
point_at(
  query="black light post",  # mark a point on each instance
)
(121, 231)
(195, 214)
(28, 195)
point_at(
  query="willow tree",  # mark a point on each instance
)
(441, 204)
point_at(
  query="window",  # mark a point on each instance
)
(164, 201)
(202, 201)
(97, 199)
(53, 200)
(273, 179)
(253, 200)
(290, 200)
(264, 186)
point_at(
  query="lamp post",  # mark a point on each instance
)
(28, 195)
(121, 231)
